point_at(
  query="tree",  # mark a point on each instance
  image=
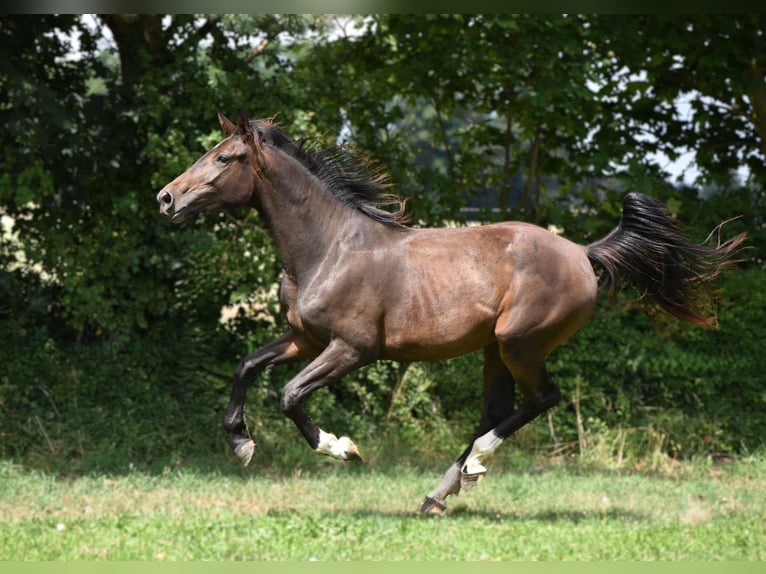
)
(91, 138)
(109, 293)
(487, 96)
(714, 64)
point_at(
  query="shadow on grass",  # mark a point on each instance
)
(466, 514)
(292, 456)
(571, 516)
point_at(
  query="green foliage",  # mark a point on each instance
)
(472, 106)
(648, 62)
(703, 389)
(103, 405)
(113, 348)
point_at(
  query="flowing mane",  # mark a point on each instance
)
(352, 178)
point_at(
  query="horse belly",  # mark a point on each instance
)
(409, 347)
(440, 319)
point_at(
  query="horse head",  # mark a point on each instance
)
(225, 176)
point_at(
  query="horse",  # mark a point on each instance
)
(360, 285)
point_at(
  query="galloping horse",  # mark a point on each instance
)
(359, 286)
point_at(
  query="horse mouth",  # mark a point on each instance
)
(179, 216)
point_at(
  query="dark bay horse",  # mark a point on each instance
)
(359, 286)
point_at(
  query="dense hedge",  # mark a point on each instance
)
(157, 399)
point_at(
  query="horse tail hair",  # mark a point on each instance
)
(667, 268)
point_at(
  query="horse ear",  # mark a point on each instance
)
(243, 125)
(226, 125)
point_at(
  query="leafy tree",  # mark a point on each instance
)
(92, 134)
(712, 63)
(480, 97)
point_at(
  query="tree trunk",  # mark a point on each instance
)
(140, 44)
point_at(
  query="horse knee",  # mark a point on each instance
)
(242, 370)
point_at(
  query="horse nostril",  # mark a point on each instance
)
(165, 197)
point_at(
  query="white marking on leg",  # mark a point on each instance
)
(450, 484)
(483, 448)
(326, 443)
(333, 446)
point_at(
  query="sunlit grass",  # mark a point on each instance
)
(341, 512)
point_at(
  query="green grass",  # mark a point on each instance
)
(539, 511)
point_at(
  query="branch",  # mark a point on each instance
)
(255, 52)
(758, 101)
(534, 155)
(445, 140)
(205, 29)
(505, 183)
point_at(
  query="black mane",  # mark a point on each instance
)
(352, 178)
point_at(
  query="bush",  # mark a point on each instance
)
(703, 389)
(157, 397)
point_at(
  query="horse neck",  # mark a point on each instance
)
(306, 220)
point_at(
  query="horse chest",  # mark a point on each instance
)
(331, 305)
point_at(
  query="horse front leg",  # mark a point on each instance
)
(286, 349)
(337, 360)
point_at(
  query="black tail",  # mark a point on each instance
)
(667, 268)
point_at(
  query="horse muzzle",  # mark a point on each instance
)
(167, 203)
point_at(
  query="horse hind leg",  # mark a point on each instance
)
(436, 500)
(539, 394)
(499, 396)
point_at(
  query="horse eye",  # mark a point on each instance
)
(222, 159)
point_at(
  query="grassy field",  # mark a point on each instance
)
(536, 511)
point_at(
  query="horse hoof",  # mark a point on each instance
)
(468, 481)
(432, 506)
(354, 456)
(244, 452)
(352, 452)
(342, 448)
(345, 449)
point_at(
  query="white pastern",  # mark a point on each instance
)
(333, 446)
(483, 448)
